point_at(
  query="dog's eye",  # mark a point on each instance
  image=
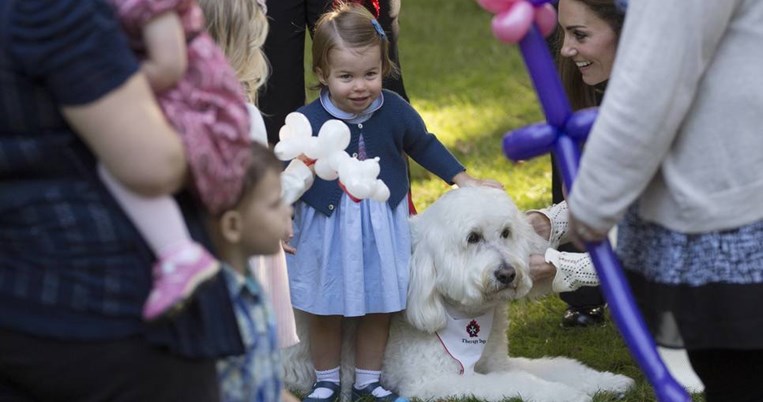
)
(474, 237)
(506, 233)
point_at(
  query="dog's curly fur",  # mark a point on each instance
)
(465, 246)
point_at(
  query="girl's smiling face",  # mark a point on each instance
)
(354, 78)
(588, 40)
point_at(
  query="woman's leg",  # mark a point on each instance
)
(285, 50)
(125, 370)
(729, 375)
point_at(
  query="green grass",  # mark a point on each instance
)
(471, 89)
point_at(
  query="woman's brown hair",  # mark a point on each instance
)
(580, 94)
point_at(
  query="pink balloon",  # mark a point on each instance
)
(496, 6)
(545, 18)
(510, 26)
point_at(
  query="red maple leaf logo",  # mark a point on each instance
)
(473, 329)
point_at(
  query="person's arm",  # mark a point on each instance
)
(663, 52)
(165, 43)
(127, 132)
(424, 148)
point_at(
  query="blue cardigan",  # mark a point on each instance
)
(394, 130)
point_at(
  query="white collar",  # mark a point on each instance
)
(351, 118)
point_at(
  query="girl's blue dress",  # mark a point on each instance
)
(354, 262)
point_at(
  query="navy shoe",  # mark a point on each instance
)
(366, 394)
(335, 391)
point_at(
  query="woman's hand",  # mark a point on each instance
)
(464, 180)
(540, 223)
(580, 233)
(540, 269)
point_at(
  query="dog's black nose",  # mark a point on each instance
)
(505, 274)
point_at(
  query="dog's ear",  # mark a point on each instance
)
(425, 309)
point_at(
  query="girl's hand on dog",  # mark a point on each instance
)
(463, 179)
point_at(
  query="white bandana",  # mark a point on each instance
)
(464, 339)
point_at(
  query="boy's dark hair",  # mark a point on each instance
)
(263, 160)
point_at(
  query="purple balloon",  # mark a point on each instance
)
(579, 124)
(529, 142)
(562, 135)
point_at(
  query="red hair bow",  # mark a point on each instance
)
(371, 5)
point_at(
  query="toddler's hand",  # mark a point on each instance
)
(307, 161)
(464, 180)
(287, 248)
(287, 396)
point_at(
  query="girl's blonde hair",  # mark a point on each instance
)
(240, 28)
(348, 26)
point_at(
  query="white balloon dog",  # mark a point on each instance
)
(327, 156)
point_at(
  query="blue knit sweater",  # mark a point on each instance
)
(394, 130)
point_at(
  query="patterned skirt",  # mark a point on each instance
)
(696, 291)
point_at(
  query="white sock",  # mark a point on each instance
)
(365, 377)
(331, 375)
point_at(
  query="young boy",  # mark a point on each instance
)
(254, 225)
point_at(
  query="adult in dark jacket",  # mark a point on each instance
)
(74, 272)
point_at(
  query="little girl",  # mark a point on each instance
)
(202, 98)
(352, 258)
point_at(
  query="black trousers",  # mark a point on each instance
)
(285, 49)
(128, 370)
(729, 375)
(586, 296)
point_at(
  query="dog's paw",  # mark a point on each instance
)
(615, 383)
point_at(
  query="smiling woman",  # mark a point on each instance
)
(589, 31)
(587, 41)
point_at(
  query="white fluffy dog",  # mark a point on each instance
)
(470, 253)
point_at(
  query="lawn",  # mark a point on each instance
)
(471, 89)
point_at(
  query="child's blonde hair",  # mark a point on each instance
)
(240, 28)
(348, 26)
